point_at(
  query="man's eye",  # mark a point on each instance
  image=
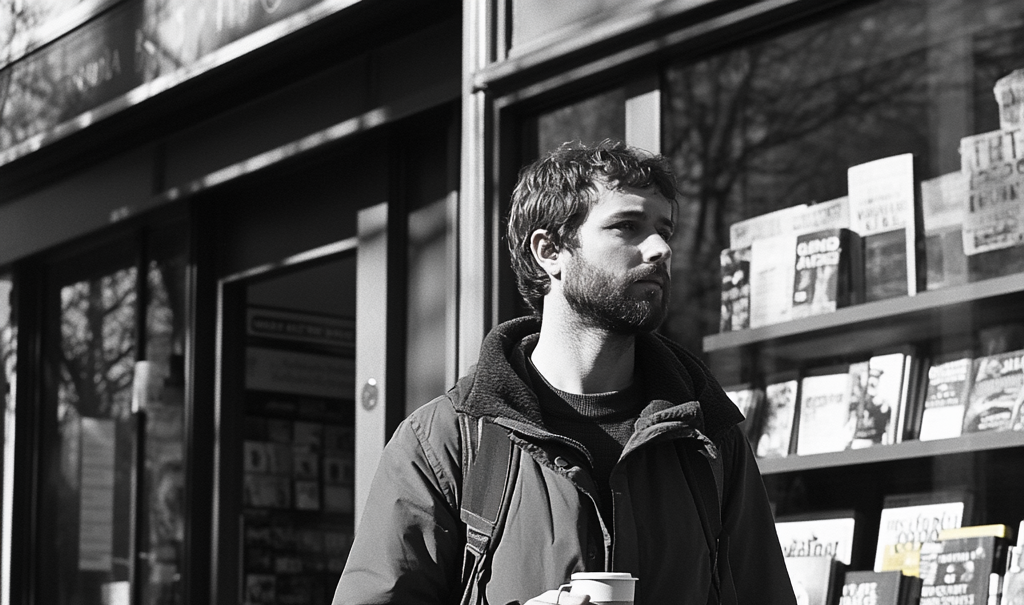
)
(625, 226)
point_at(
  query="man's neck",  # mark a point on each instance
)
(582, 359)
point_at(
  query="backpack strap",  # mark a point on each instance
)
(488, 460)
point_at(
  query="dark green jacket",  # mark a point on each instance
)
(409, 544)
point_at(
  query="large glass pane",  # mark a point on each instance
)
(778, 122)
(8, 360)
(163, 525)
(89, 436)
(594, 119)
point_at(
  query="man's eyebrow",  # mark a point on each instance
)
(641, 215)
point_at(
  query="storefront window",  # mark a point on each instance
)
(594, 119)
(112, 509)
(778, 122)
(164, 523)
(8, 360)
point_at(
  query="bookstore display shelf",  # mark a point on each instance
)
(893, 320)
(973, 442)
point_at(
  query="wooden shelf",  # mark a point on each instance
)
(906, 316)
(974, 442)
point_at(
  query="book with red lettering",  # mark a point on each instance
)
(838, 534)
(909, 520)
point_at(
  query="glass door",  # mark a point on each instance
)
(111, 521)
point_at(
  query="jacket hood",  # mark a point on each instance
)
(672, 379)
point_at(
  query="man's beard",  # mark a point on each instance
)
(601, 300)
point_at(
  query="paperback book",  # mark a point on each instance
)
(743, 234)
(777, 424)
(825, 419)
(833, 534)
(879, 588)
(995, 209)
(945, 402)
(816, 580)
(1009, 92)
(735, 313)
(958, 570)
(833, 214)
(943, 207)
(771, 280)
(828, 271)
(877, 393)
(995, 396)
(750, 401)
(909, 520)
(883, 211)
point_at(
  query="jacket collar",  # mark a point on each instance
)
(671, 378)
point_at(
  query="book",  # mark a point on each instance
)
(879, 588)
(883, 211)
(825, 422)
(749, 400)
(830, 534)
(833, 214)
(945, 402)
(943, 207)
(771, 280)
(735, 314)
(995, 210)
(959, 569)
(877, 393)
(1013, 578)
(998, 530)
(1009, 92)
(816, 580)
(996, 390)
(827, 273)
(743, 234)
(776, 431)
(909, 520)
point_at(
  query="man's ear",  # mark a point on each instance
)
(546, 253)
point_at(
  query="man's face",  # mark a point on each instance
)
(618, 277)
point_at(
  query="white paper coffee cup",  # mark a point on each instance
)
(603, 587)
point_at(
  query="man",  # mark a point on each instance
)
(629, 458)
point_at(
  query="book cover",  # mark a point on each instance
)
(909, 520)
(771, 280)
(827, 272)
(995, 395)
(1009, 92)
(943, 207)
(750, 401)
(816, 580)
(825, 420)
(1013, 579)
(960, 568)
(777, 424)
(876, 394)
(883, 211)
(743, 234)
(833, 214)
(830, 534)
(945, 402)
(735, 314)
(875, 588)
(995, 210)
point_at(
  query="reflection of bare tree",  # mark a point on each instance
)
(98, 344)
(778, 123)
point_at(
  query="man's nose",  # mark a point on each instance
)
(656, 249)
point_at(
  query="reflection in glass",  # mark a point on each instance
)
(778, 122)
(91, 476)
(591, 120)
(164, 524)
(8, 361)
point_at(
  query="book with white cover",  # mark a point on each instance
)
(825, 422)
(743, 234)
(883, 203)
(995, 209)
(771, 280)
(830, 535)
(909, 520)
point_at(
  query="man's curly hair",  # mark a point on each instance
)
(556, 192)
